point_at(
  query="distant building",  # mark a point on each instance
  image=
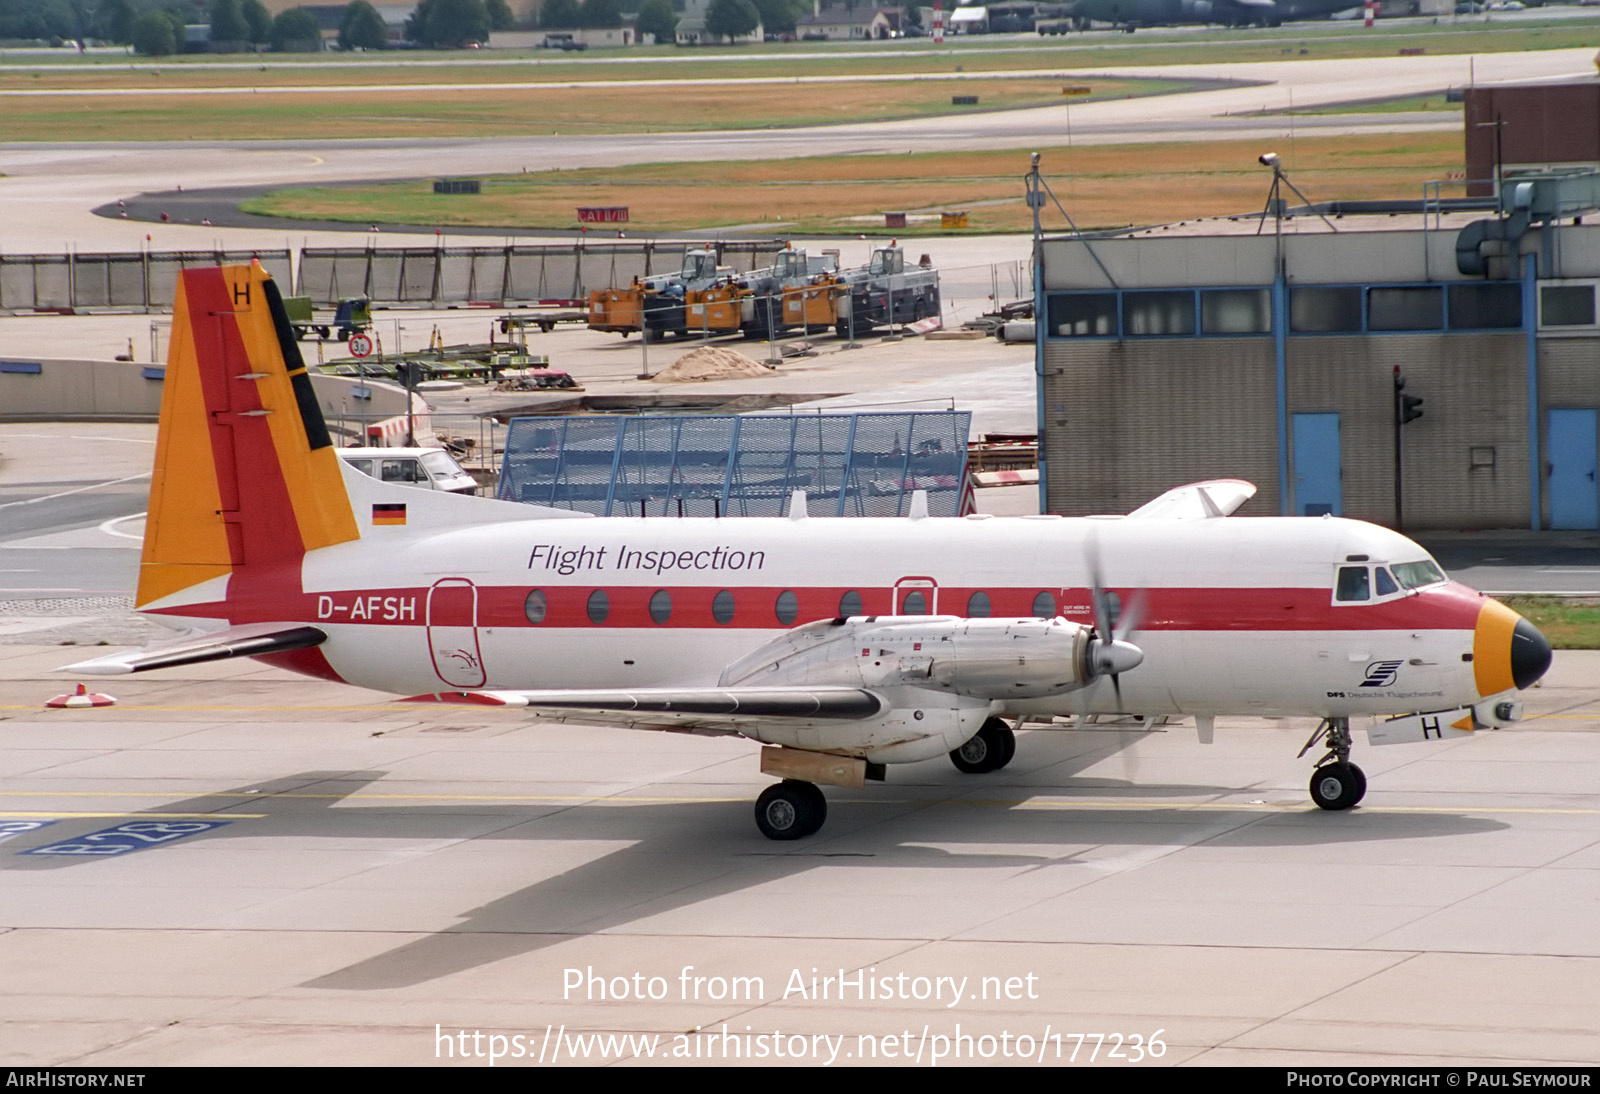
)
(692, 27)
(1530, 126)
(1226, 350)
(838, 23)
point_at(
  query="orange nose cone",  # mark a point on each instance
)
(1507, 651)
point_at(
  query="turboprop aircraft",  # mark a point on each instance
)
(841, 646)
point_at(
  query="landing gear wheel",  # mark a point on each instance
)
(1338, 786)
(990, 749)
(791, 809)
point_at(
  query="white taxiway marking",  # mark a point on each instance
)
(109, 527)
(78, 490)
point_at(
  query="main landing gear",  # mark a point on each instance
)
(990, 749)
(792, 809)
(1336, 783)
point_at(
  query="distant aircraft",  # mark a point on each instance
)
(1131, 14)
(842, 645)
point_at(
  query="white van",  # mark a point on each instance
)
(425, 468)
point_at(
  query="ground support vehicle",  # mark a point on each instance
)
(886, 292)
(351, 316)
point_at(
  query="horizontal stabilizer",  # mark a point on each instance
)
(1198, 500)
(699, 709)
(248, 641)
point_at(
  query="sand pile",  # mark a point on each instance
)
(710, 363)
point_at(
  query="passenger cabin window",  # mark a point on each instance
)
(914, 604)
(787, 608)
(850, 603)
(660, 606)
(1353, 585)
(978, 606)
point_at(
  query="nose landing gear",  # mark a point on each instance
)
(1336, 783)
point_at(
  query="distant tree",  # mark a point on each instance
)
(227, 23)
(777, 16)
(362, 27)
(258, 19)
(60, 20)
(295, 30)
(559, 14)
(657, 17)
(113, 20)
(151, 34)
(732, 19)
(600, 13)
(446, 24)
(501, 16)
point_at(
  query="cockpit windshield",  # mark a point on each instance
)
(1413, 575)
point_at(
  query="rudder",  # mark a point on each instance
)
(246, 473)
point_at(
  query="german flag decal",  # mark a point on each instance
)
(389, 513)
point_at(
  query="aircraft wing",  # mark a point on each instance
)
(686, 710)
(1198, 500)
(246, 641)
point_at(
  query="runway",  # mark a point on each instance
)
(50, 188)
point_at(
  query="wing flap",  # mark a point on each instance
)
(700, 710)
(247, 641)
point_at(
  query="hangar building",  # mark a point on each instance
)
(1268, 349)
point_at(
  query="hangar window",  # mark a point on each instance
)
(1325, 311)
(1083, 315)
(978, 606)
(1235, 311)
(660, 606)
(535, 606)
(1410, 307)
(1153, 313)
(1044, 606)
(787, 609)
(599, 606)
(850, 603)
(1566, 305)
(1485, 307)
(722, 607)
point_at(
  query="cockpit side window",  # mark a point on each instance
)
(1412, 575)
(1353, 585)
(1386, 585)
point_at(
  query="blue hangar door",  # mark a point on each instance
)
(1574, 447)
(1318, 473)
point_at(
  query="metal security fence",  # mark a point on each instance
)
(128, 281)
(503, 276)
(850, 465)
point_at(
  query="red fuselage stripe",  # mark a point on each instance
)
(1447, 607)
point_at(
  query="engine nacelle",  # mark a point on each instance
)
(987, 659)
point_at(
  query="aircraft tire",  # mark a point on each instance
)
(1338, 786)
(792, 809)
(989, 749)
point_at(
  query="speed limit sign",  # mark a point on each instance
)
(360, 345)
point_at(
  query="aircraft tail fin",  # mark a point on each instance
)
(246, 473)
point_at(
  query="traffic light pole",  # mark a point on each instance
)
(1407, 408)
(1399, 492)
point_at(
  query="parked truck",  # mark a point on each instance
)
(764, 302)
(885, 291)
(655, 304)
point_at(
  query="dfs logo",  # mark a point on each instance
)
(1381, 674)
